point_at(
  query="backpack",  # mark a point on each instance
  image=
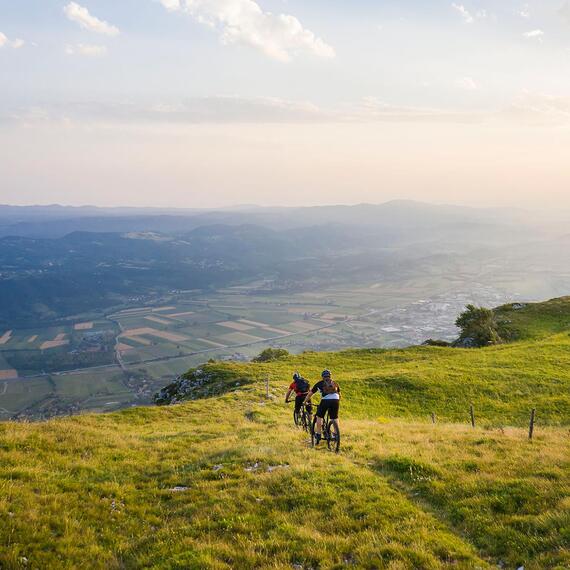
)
(329, 387)
(302, 385)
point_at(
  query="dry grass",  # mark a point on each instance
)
(98, 491)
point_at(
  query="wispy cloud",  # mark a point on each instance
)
(524, 12)
(534, 109)
(279, 36)
(372, 109)
(88, 50)
(171, 5)
(465, 14)
(539, 109)
(534, 35)
(80, 15)
(197, 110)
(14, 44)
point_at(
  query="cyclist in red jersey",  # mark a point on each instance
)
(301, 388)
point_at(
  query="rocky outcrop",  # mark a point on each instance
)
(204, 382)
(185, 387)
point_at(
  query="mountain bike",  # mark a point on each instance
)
(330, 433)
(302, 418)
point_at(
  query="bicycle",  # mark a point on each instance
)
(302, 417)
(330, 433)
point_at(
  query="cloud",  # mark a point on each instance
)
(88, 50)
(171, 5)
(279, 36)
(534, 34)
(372, 109)
(467, 84)
(14, 44)
(81, 16)
(524, 12)
(467, 17)
(539, 109)
(528, 109)
(193, 111)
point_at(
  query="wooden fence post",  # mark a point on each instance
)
(433, 417)
(531, 424)
(267, 386)
(472, 412)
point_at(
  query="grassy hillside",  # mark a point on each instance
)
(99, 491)
(534, 320)
(226, 481)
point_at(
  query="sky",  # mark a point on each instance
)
(207, 103)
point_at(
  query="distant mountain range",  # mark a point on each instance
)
(57, 221)
(57, 261)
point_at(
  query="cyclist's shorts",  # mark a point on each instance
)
(330, 405)
(299, 403)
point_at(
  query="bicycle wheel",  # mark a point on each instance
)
(333, 441)
(308, 419)
(297, 417)
(304, 420)
(313, 439)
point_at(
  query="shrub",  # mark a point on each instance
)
(478, 327)
(271, 354)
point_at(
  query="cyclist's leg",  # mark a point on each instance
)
(320, 415)
(333, 415)
(333, 410)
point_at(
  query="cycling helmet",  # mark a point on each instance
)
(326, 373)
(296, 376)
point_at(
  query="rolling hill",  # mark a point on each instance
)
(224, 480)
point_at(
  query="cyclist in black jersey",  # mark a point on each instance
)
(330, 401)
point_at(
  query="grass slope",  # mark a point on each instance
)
(98, 491)
(534, 320)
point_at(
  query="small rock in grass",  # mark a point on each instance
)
(274, 467)
(253, 467)
(179, 489)
(217, 467)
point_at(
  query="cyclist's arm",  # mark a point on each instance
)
(288, 394)
(310, 394)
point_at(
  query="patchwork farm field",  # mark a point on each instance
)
(100, 362)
